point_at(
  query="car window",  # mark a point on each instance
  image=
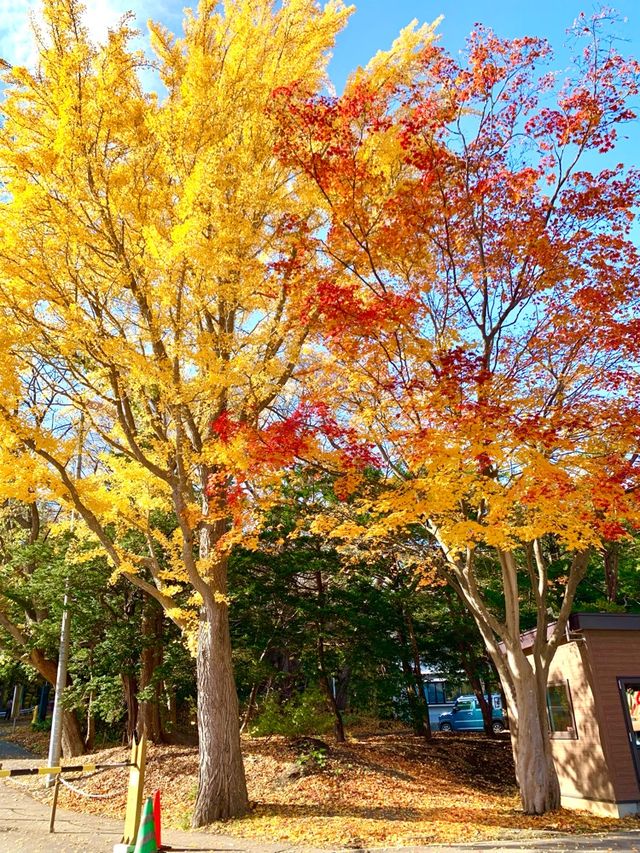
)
(464, 705)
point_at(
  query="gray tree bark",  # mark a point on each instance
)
(222, 790)
(72, 740)
(529, 729)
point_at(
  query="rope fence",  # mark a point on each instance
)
(88, 793)
(136, 766)
(92, 769)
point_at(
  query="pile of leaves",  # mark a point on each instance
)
(386, 788)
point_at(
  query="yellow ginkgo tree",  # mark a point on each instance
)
(154, 258)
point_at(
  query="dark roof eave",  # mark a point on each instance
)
(604, 622)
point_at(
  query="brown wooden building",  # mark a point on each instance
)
(593, 698)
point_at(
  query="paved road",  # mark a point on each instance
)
(12, 750)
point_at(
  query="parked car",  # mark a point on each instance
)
(466, 716)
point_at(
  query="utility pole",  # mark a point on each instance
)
(55, 740)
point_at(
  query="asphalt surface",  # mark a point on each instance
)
(12, 750)
(24, 828)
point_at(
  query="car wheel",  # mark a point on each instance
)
(497, 726)
(445, 727)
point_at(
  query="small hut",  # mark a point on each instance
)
(593, 700)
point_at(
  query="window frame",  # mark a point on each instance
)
(562, 735)
(623, 681)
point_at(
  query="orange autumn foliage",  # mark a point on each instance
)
(483, 326)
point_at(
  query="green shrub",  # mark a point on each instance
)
(41, 726)
(303, 714)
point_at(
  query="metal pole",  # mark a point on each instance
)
(16, 704)
(54, 804)
(55, 741)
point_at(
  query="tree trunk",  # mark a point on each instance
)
(91, 720)
(611, 555)
(523, 678)
(91, 725)
(325, 686)
(415, 709)
(171, 720)
(535, 769)
(251, 706)
(338, 723)
(72, 740)
(342, 688)
(483, 695)
(222, 789)
(131, 701)
(149, 706)
(421, 696)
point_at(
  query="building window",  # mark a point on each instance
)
(436, 693)
(562, 723)
(630, 694)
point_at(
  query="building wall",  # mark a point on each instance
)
(613, 654)
(584, 773)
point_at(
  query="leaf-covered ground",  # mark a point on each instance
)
(381, 788)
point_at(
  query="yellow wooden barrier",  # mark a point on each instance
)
(134, 795)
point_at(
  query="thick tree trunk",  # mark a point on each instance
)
(222, 790)
(72, 740)
(535, 769)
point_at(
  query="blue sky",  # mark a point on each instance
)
(376, 22)
(372, 27)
